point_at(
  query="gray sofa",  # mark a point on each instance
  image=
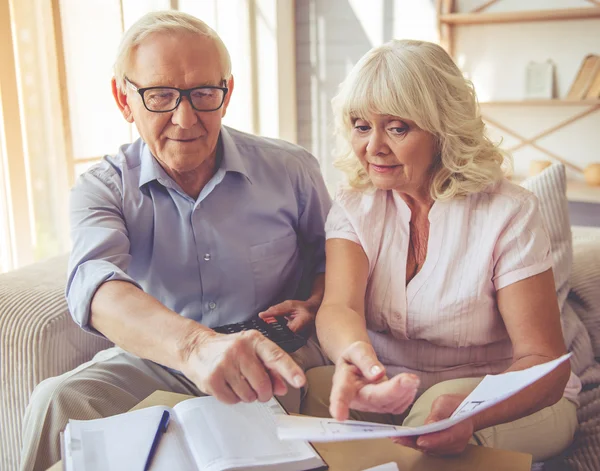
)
(38, 339)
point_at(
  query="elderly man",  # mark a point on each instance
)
(193, 226)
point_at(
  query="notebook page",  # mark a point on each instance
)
(173, 452)
(223, 436)
(120, 442)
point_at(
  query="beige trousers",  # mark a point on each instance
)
(543, 434)
(111, 383)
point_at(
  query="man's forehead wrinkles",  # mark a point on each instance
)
(194, 78)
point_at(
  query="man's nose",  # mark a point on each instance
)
(184, 115)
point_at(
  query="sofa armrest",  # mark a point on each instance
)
(585, 280)
(38, 339)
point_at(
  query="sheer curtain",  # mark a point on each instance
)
(59, 114)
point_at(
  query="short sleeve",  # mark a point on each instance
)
(315, 203)
(338, 225)
(523, 247)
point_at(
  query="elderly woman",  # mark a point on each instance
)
(438, 268)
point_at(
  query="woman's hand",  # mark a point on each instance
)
(451, 441)
(360, 383)
(300, 314)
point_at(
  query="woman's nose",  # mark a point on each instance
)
(377, 144)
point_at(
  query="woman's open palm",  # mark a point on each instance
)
(360, 383)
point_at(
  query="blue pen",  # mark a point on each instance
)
(162, 428)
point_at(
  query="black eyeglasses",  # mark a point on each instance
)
(165, 99)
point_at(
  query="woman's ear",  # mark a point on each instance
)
(121, 100)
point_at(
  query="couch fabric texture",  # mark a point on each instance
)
(38, 339)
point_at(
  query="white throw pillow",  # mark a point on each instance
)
(550, 187)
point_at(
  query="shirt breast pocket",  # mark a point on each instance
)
(276, 270)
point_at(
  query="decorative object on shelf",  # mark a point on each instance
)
(536, 166)
(591, 174)
(585, 80)
(539, 80)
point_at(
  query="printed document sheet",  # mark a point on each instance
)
(492, 390)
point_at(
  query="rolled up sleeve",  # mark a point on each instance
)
(523, 248)
(100, 242)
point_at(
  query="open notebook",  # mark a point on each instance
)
(203, 435)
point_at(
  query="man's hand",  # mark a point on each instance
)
(451, 441)
(360, 383)
(239, 367)
(300, 314)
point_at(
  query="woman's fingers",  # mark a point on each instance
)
(363, 356)
(443, 407)
(406, 441)
(391, 396)
(359, 383)
(346, 385)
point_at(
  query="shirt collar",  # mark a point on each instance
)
(231, 161)
(150, 169)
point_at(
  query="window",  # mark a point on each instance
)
(5, 253)
(59, 113)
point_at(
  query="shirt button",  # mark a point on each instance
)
(207, 257)
(212, 305)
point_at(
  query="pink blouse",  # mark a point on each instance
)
(445, 323)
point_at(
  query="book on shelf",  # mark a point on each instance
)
(586, 80)
(594, 91)
(202, 434)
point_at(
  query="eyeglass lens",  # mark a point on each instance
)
(163, 99)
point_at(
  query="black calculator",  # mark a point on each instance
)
(274, 328)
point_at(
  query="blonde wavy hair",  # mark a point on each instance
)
(418, 80)
(169, 21)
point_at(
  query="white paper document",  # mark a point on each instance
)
(203, 434)
(492, 390)
(384, 467)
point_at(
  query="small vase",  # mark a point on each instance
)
(591, 174)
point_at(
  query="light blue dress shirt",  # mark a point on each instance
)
(254, 236)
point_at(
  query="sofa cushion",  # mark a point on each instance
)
(585, 280)
(38, 339)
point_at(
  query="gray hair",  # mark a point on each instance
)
(169, 21)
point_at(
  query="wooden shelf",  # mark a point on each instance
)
(555, 102)
(520, 16)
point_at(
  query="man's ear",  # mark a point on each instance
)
(121, 100)
(228, 97)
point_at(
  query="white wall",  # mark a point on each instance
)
(495, 58)
(332, 34)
